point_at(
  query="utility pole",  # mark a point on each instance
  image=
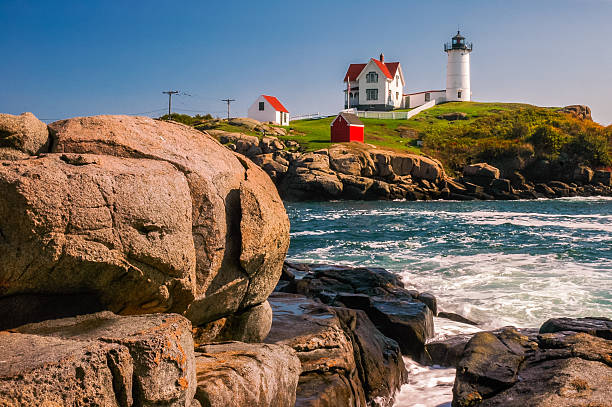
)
(170, 93)
(228, 100)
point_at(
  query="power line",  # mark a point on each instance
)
(228, 100)
(170, 93)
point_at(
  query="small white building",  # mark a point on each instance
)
(417, 99)
(376, 85)
(269, 109)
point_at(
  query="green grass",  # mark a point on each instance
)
(400, 134)
(492, 132)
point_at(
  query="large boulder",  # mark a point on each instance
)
(118, 230)
(310, 178)
(508, 368)
(345, 359)
(240, 229)
(240, 374)
(22, 136)
(350, 160)
(481, 173)
(147, 360)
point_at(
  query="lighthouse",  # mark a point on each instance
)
(458, 69)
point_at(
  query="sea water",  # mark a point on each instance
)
(496, 262)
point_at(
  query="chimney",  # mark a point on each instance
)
(382, 57)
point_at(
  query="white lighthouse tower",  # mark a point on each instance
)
(458, 70)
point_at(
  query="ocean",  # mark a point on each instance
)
(496, 262)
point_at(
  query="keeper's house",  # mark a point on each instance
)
(347, 127)
(376, 85)
(269, 109)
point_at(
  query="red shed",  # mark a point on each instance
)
(346, 127)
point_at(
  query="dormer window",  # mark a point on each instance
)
(372, 77)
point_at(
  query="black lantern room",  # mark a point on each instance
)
(458, 42)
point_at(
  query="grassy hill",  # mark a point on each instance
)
(490, 132)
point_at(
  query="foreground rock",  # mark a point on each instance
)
(173, 222)
(345, 360)
(400, 314)
(99, 359)
(241, 374)
(22, 136)
(565, 368)
(71, 224)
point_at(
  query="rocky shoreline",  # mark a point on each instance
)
(143, 264)
(356, 171)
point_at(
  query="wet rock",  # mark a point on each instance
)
(507, 368)
(456, 317)
(240, 230)
(430, 300)
(345, 359)
(22, 136)
(240, 374)
(392, 308)
(601, 327)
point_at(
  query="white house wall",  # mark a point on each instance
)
(269, 114)
(383, 86)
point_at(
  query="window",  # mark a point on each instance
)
(459, 94)
(427, 97)
(372, 94)
(397, 80)
(454, 41)
(397, 95)
(372, 77)
(261, 105)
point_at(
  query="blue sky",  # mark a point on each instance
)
(73, 58)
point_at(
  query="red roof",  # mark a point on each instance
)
(389, 69)
(278, 106)
(353, 71)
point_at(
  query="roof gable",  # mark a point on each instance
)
(350, 119)
(353, 71)
(276, 104)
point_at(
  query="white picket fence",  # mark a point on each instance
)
(396, 115)
(307, 116)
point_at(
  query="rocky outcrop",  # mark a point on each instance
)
(22, 136)
(241, 374)
(142, 216)
(354, 171)
(101, 359)
(565, 368)
(345, 360)
(400, 314)
(580, 111)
